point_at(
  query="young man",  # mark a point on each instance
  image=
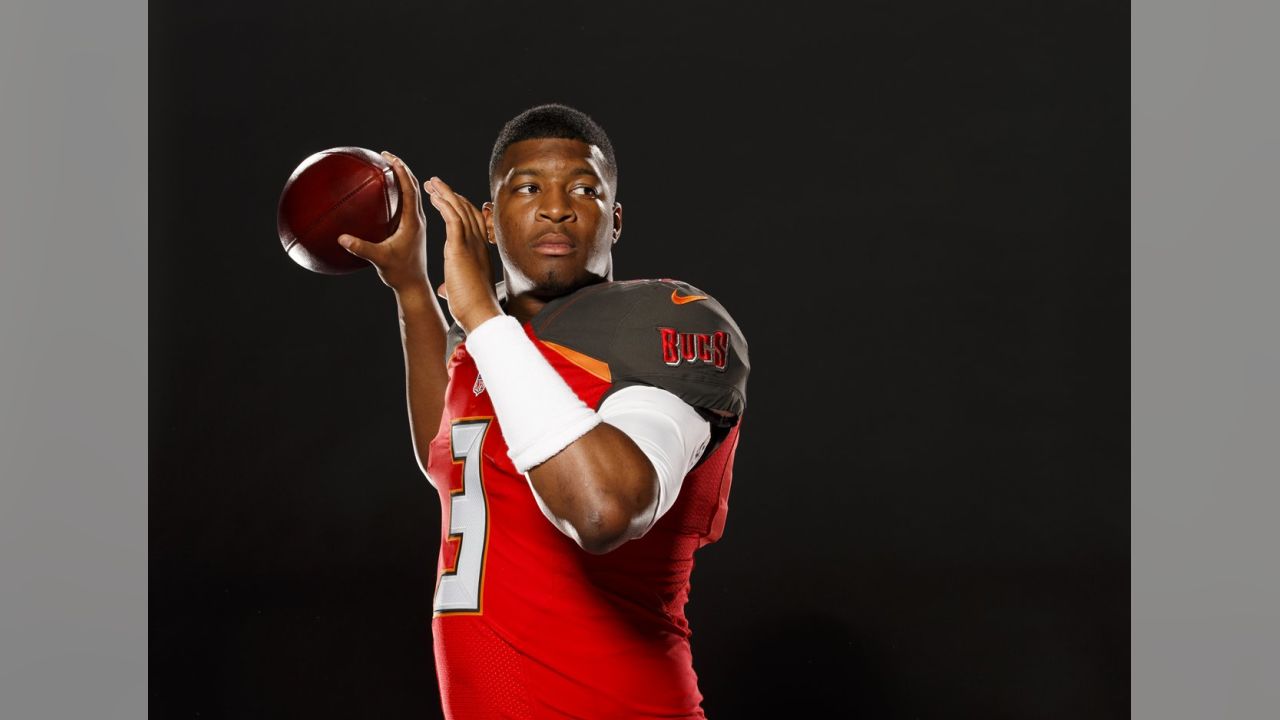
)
(580, 432)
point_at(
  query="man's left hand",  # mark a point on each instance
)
(468, 284)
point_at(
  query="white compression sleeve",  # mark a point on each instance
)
(667, 429)
(539, 413)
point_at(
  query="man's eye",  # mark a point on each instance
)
(525, 187)
(590, 190)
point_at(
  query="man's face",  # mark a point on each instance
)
(553, 217)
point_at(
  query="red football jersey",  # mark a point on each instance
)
(527, 624)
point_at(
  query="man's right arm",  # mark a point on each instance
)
(422, 332)
(401, 261)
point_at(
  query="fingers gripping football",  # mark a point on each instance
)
(401, 260)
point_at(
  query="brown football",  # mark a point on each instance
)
(340, 190)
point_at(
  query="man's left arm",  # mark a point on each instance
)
(613, 484)
(601, 477)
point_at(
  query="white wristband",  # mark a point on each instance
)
(538, 411)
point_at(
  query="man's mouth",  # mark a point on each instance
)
(553, 243)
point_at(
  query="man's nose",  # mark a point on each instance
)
(555, 206)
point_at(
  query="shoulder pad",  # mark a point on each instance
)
(664, 333)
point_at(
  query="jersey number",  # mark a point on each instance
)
(459, 589)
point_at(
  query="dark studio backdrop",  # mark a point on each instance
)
(916, 212)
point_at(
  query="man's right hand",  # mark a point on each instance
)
(401, 259)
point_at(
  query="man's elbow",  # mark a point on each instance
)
(602, 544)
(609, 525)
(611, 509)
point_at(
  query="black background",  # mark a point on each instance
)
(917, 214)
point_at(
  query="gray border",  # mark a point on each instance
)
(73, 124)
(1206, 357)
(73, 359)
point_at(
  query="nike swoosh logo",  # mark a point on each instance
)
(682, 299)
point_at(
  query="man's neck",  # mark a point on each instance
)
(524, 305)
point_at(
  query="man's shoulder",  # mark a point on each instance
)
(662, 332)
(620, 302)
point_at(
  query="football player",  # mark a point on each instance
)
(580, 432)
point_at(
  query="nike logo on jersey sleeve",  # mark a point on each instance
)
(682, 299)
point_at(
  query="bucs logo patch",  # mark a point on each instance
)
(694, 347)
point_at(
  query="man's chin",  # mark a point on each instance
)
(556, 284)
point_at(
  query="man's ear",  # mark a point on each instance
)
(617, 221)
(487, 209)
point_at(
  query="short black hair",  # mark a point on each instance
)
(554, 120)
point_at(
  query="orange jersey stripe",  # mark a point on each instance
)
(599, 368)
